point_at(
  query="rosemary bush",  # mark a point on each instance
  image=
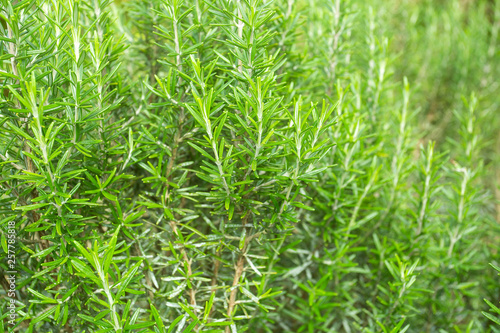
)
(249, 166)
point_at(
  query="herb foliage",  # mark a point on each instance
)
(250, 165)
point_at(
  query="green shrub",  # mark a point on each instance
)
(249, 166)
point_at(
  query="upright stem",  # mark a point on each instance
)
(239, 268)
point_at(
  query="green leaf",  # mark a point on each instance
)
(158, 321)
(31, 207)
(44, 315)
(201, 151)
(45, 252)
(491, 317)
(108, 255)
(85, 270)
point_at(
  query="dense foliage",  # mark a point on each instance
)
(249, 166)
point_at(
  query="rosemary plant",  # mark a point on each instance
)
(249, 166)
